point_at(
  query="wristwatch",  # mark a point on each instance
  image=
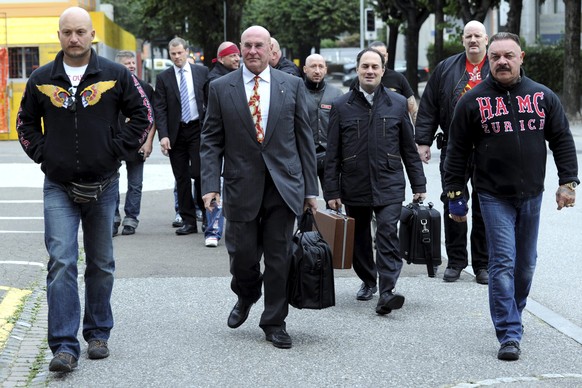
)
(572, 185)
(454, 194)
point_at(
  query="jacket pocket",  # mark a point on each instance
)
(393, 162)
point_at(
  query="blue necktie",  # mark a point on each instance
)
(184, 97)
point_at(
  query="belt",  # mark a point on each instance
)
(190, 123)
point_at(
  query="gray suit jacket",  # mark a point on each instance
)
(287, 153)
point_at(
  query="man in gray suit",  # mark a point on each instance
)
(269, 176)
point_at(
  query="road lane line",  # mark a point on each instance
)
(34, 263)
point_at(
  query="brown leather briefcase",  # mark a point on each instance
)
(338, 231)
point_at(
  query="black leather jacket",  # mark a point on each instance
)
(441, 94)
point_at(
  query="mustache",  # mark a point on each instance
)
(502, 68)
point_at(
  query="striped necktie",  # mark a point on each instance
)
(184, 97)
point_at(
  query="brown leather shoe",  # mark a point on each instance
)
(63, 362)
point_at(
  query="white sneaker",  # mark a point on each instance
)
(211, 242)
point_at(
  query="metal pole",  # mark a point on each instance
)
(362, 27)
(224, 18)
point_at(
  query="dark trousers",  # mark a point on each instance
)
(185, 161)
(388, 262)
(268, 235)
(456, 232)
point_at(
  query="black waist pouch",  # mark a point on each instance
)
(87, 192)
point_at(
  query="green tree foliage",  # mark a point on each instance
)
(200, 22)
(300, 25)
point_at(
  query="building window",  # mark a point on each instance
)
(22, 61)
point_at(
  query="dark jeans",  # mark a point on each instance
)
(133, 196)
(456, 232)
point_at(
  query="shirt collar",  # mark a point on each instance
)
(369, 96)
(248, 76)
(186, 68)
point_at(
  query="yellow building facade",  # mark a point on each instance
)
(28, 39)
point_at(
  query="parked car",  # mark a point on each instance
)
(399, 66)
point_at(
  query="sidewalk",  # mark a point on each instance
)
(170, 322)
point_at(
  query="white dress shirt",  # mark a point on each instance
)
(194, 115)
(264, 92)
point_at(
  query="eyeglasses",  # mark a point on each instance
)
(71, 102)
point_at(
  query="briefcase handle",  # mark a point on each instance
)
(307, 221)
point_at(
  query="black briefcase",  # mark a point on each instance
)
(310, 284)
(420, 235)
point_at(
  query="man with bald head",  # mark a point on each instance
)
(68, 122)
(227, 59)
(448, 83)
(279, 62)
(257, 127)
(320, 96)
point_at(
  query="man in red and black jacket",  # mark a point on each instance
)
(451, 79)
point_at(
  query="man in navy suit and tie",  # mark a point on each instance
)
(270, 176)
(179, 111)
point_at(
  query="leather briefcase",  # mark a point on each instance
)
(311, 283)
(338, 230)
(420, 235)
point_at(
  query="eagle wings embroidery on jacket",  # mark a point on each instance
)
(61, 98)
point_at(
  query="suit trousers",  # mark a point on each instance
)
(185, 161)
(268, 235)
(388, 263)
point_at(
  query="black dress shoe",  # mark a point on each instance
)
(366, 292)
(452, 274)
(509, 351)
(239, 314)
(389, 301)
(280, 339)
(127, 230)
(482, 276)
(186, 229)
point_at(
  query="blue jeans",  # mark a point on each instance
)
(511, 227)
(215, 224)
(62, 217)
(215, 221)
(133, 197)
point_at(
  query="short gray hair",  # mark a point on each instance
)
(124, 54)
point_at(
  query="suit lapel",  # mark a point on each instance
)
(174, 83)
(276, 102)
(241, 104)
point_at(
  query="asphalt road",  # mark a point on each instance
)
(172, 298)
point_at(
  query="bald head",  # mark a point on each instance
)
(475, 41)
(223, 46)
(229, 55)
(256, 48)
(315, 68)
(276, 56)
(77, 14)
(314, 58)
(76, 34)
